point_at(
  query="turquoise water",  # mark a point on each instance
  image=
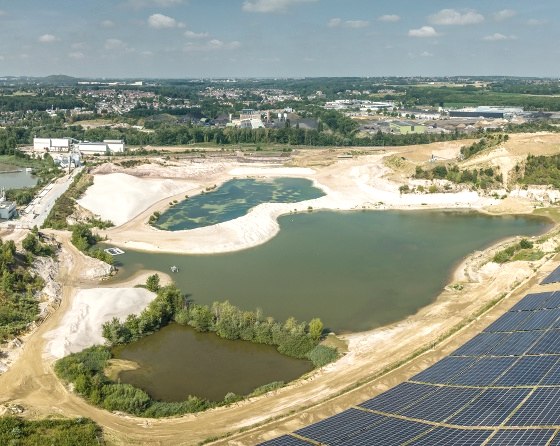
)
(354, 270)
(234, 199)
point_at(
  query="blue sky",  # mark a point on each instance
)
(279, 38)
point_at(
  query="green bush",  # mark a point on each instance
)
(59, 432)
(322, 355)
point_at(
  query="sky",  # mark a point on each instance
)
(279, 38)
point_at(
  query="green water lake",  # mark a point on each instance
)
(355, 270)
(234, 199)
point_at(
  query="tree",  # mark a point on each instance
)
(152, 283)
(315, 328)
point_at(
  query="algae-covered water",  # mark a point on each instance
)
(234, 199)
(354, 270)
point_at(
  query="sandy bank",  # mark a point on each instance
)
(119, 197)
(81, 325)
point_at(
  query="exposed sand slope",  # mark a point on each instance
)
(119, 197)
(81, 325)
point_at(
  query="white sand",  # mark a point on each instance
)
(119, 197)
(348, 184)
(81, 325)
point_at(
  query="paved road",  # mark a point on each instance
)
(38, 210)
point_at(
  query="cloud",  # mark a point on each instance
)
(47, 38)
(339, 23)
(424, 31)
(536, 22)
(160, 21)
(115, 44)
(192, 35)
(454, 17)
(389, 18)
(2, 12)
(496, 37)
(211, 45)
(426, 54)
(107, 24)
(76, 55)
(137, 4)
(504, 14)
(271, 6)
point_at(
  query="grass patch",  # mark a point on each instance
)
(60, 432)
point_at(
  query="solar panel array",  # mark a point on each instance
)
(500, 388)
(553, 277)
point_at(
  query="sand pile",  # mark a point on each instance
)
(119, 197)
(81, 326)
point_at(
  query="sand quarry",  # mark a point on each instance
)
(128, 197)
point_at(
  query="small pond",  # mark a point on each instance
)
(177, 361)
(14, 177)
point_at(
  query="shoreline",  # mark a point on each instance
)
(348, 186)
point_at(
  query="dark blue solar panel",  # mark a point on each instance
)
(553, 277)
(480, 344)
(491, 408)
(516, 344)
(528, 371)
(340, 426)
(442, 404)
(445, 436)
(399, 397)
(553, 301)
(442, 371)
(555, 441)
(542, 408)
(548, 343)
(484, 372)
(518, 437)
(534, 301)
(392, 432)
(540, 319)
(509, 321)
(553, 377)
(285, 440)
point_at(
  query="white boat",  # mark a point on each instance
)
(174, 269)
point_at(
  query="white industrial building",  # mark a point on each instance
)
(101, 148)
(52, 144)
(7, 208)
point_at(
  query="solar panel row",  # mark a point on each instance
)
(477, 389)
(553, 277)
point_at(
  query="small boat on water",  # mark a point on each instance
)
(174, 269)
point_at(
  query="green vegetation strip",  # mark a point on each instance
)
(542, 170)
(519, 251)
(64, 205)
(16, 431)
(85, 370)
(18, 287)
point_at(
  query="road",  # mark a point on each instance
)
(37, 211)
